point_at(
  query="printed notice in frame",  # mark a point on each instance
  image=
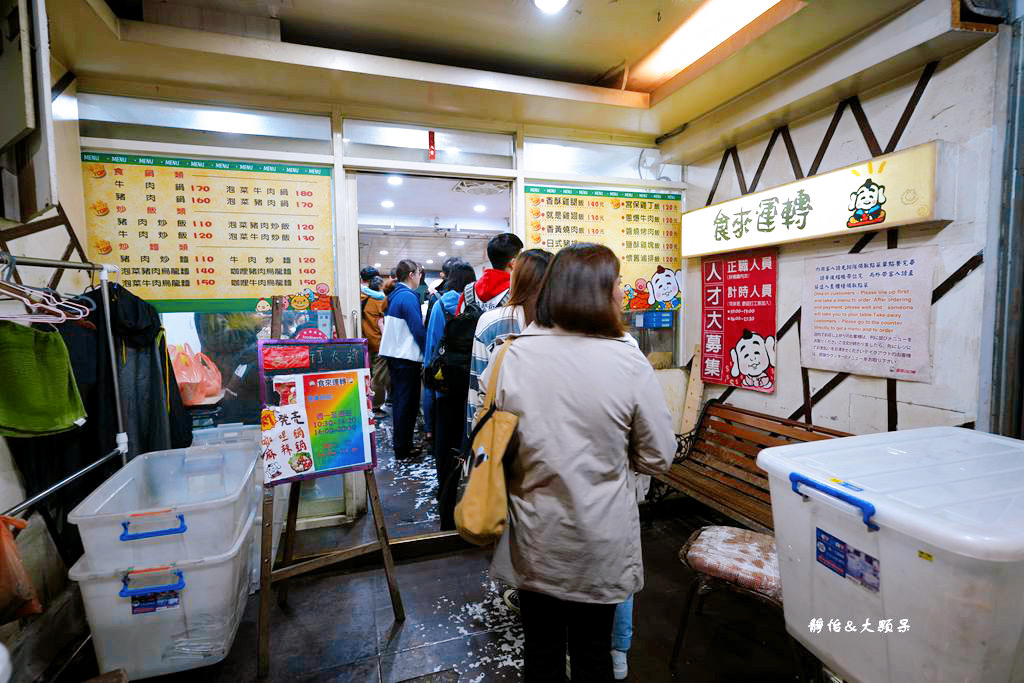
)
(868, 314)
(321, 426)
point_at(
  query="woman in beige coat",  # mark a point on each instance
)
(589, 409)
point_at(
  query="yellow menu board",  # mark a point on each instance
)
(641, 228)
(204, 235)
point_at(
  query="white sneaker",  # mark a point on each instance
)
(620, 668)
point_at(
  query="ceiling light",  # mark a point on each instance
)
(387, 203)
(459, 243)
(383, 252)
(394, 180)
(376, 265)
(430, 260)
(479, 208)
(452, 151)
(550, 6)
(441, 253)
(710, 25)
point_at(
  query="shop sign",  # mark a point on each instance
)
(911, 187)
(738, 319)
(203, 235)
(868, 314)
(642, 229)
(319, 427)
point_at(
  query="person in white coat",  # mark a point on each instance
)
(590, 410)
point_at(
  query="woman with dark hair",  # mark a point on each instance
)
(495, 325)
(402, 344)
(590, 410)
(449, 406)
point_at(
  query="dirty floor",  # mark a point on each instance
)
(340, 627)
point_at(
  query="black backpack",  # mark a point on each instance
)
(450, 367)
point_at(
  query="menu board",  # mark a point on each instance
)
(641, 228)
(192, 234)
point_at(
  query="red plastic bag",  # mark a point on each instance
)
(187, 373)
(198, 376)
(211, 382)
(17, 595)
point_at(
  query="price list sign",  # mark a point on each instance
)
(193, 234)
(641, 228)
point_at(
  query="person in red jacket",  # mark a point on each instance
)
(494, 286)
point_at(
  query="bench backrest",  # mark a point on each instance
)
(727, 440)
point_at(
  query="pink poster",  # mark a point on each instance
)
(738, 319)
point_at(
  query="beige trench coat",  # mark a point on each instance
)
(589, 410)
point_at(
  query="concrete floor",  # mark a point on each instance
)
(341, 628)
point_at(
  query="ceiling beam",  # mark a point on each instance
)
(371, 65)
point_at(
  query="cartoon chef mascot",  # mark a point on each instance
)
(866, 204)
(751, 358)
(663, 291)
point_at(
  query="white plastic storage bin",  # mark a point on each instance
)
(225, 433)
(922, 527)
(157, 620)
(169, 506)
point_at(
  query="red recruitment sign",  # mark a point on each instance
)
(738, 319)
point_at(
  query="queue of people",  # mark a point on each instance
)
(591, 419)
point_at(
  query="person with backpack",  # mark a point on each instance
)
(429, 394)
(492, 289)
(448, 404)
(402, 344)
(497, 324)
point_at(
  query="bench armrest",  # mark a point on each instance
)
(683, 444)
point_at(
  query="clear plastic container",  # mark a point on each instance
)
(169, 506)
(912, 542)
(226, 433)
(157, 620)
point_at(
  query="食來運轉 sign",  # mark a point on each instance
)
(915, 186)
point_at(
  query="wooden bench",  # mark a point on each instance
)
(718, 467)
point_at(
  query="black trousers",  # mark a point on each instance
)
(405, 402)
(449, 425)
(549, 624)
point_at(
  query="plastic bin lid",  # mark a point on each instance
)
(957, 489)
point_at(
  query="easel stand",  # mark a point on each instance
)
(270, 575)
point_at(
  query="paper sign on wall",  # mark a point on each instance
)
(738, 319)
(321, 426)
(868, 314)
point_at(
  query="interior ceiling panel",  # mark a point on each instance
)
(117, 55)
(582, 43)
(427, 216)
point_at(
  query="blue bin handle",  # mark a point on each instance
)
(127, 592)
(867, 509)
(180, 529)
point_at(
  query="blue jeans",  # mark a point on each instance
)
(622, 627)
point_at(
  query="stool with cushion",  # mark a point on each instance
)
(740, 560)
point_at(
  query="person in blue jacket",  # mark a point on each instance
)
(449, 407)
(402, 344)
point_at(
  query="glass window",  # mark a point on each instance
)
(610, 161)
(401, 142)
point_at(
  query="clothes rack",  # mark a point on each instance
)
(104, 270)
(39, 497)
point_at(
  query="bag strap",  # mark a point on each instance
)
(492, 386)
